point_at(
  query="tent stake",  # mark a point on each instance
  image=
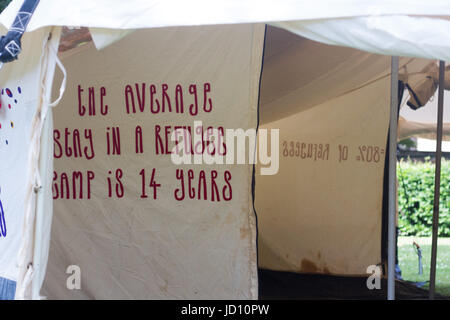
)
(392, 178)
(437, 180)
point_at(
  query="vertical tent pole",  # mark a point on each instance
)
(392, 178)
(437, 180)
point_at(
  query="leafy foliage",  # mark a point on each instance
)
(408, 144)
(4, 4)
(416, 196)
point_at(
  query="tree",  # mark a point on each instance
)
(4, 4)
(408, 144)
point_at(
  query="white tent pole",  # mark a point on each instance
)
(43, 168)
(437, 179)
(392, 178)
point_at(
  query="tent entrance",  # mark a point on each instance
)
(324, 214)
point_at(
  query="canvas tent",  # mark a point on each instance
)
(139, 226)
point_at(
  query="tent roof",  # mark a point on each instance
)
(388, 27)
(300, 73)
(134, 14)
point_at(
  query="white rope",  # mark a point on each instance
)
(62, 87)
(25, 256)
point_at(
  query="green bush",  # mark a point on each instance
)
(416, 196)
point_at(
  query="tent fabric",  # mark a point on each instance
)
(300, 73)
(44, 201)
(104, 37)
(132, 247)
(396, 35)
(21, 99)
(383, 28)
(422, 86)
(136, 14)
(32, 255)
(321, 213)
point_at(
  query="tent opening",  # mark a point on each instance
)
(322, 219)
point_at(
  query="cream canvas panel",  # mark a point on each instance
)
(322, 212)
(20, 97)
(139, 231)
(300, 73)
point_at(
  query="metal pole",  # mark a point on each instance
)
(437, 180)
(392, 178)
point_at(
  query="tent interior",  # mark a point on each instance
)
(321, 220)
(323, 216)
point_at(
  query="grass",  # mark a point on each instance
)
(409, 265)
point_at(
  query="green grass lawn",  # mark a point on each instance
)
(408, 262)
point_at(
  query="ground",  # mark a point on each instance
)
(409, 262)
